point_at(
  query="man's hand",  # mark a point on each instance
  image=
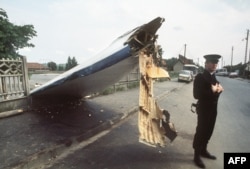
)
(217, 88)
(214, 88)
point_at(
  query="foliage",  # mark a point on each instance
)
(233, 68)
(160, 50)
(133, 85)
(239, 67)
(60, 67)
(71, 63)
(201, 68)
(107, 91)
(13, 37)
(52, 66)
(170, 63)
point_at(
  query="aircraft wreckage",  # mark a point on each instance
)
(137, 47)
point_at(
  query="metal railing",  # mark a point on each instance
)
(129, 79)
(13, 79)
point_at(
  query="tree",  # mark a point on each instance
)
(52, 66)
(68, 64)
(71, 63)
(74, 62)
(171, 62)
(13, 37)
(61, 67)
(239, 67)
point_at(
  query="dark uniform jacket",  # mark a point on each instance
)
(203, 92)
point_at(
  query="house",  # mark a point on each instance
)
(181, 62)
(32, 67)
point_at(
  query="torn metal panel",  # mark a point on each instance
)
(153, 126)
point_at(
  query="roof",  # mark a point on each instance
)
(34, 65)
(185, 60)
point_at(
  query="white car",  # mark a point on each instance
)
(185, 75)
(233, 74)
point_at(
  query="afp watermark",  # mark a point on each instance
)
(236, 160)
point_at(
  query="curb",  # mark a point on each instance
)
(11, 113)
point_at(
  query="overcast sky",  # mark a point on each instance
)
(83, 28)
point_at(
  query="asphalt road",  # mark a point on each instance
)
(119, 148)
(232, 134)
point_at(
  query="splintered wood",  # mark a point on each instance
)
(150, 115)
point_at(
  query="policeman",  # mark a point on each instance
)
(207, 90)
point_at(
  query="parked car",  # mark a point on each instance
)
(185, 75)
(221, 72)
(233, 74)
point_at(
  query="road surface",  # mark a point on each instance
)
(119, 148)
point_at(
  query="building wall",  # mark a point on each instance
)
(178, 66)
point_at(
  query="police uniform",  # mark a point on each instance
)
(206, 111)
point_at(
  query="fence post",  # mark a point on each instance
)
(25, 76)
(128, 80)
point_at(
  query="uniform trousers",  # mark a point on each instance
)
(205, 125)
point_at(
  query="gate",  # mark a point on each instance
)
(13, 79)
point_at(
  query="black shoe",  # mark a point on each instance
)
(206, 154)
(199, 162)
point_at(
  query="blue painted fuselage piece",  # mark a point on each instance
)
(103, 70)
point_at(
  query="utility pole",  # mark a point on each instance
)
(249, 56)
(246, 51)
(221, 61)
(185, 45)
(232, 59)
(248, 67)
